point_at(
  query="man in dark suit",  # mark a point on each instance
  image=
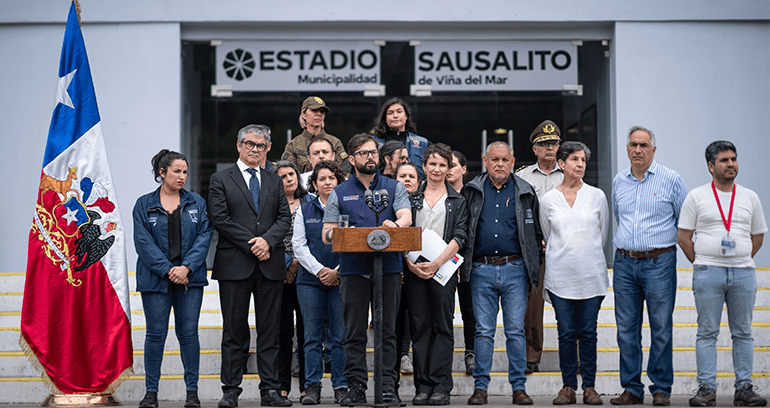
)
(248, 208)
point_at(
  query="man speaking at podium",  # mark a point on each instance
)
(356, 268)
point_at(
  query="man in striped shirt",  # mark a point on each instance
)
(646, 199)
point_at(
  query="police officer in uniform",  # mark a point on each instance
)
(311, 118)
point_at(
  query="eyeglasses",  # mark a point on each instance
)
(260, 147)
(366, 153)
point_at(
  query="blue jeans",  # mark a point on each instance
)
(316, 302)
(493, 286)
(712, 287)
(187, 308)
(636, 281)
(576, 320)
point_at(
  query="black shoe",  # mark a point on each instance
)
(339, 394)
(439, 398)
(745, 396)
(356, 395)
(192, 400)
(229, 400)
(273, 398)
(150, 400)
(421, 399)
(312, 395)
(390, 397)
(705, 397)
(470, 362)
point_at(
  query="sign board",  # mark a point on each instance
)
(298, 65)
(495, 65)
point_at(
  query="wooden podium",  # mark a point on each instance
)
(377, 240)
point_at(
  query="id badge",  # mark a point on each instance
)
(728, 246)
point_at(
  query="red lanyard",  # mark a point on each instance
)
(730, 215)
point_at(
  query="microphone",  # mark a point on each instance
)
(369, 199)
(384, 198)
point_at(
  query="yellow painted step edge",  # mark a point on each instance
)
(456, 350)
(326, 375)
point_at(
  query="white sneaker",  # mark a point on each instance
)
(406, 365)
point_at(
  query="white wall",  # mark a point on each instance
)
(692, 84)
(394, 10)
(135, 68)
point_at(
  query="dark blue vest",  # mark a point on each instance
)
(350, 195)
(314, 216)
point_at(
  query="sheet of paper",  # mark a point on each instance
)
(432, 246)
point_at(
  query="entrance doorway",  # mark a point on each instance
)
(455, 118)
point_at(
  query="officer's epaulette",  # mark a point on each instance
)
(519, 169)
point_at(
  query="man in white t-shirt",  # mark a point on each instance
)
(729, 226)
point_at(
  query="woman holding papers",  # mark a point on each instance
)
(171, 236)
(575, 221)
(317, 285)
(437, 207)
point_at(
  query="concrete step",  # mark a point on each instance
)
(15, 363)
(16, 372)
(31, 390)
(14, 281)
(211, 336)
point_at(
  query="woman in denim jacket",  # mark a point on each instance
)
(171, 236)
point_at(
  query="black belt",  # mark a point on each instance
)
(647, 254)
(497, 260)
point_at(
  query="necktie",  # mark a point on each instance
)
(254, 188)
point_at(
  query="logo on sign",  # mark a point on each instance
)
(239, 64)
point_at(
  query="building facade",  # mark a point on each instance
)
(187, 75)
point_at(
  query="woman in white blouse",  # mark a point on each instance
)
(575, 220)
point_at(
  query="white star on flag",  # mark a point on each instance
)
(71, 216)
(62, 96)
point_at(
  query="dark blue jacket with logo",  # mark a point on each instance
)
(313, 214)
(527, 223)
(350, 196)
(151, 240)
(415, 146)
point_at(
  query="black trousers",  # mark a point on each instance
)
(290, 305)
(403, 337)
(356, 293)
(234, 296)
(431, 315)
(466, 310)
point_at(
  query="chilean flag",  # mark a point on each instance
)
(75, 317)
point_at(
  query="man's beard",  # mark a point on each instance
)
(361, 168)
(499, 180)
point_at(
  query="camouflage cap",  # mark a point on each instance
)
(314, 102)
(548, 130)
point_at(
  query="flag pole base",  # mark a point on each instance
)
(81, 400)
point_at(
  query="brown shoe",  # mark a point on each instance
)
(627, 398)
(660, 399)
(566, 396)
(591, 397)
(479, 397)
(520, 397)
